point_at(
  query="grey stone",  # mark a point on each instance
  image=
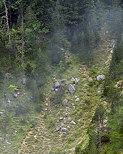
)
(64, 129)
(68, 127)
(61, 118)
(71, 89)
(77, 99)
(62, 49)
(111, 51)
(15, 95)
(57, 84)
(64, 120)
(99, 92)
(73, 123)
(100, 77)
(57, 128)
(56, 90)
(66, 114)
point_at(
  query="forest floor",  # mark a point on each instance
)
(43, 138)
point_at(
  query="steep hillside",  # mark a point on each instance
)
(61, 76)
(71, 100)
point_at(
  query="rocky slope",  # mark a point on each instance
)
(71, 99)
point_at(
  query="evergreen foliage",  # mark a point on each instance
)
(38, 37)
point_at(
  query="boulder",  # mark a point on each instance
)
(77, 99)
(62, 49)
(99, 92)
(61, 118)
(46, 104)
(56, 90)
(111, 51)
(100, 77)
(71, 89)
(57, 84)
(64, 129)
(73, 123)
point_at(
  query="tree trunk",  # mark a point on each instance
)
(22, 52)
(7, 21)
(99, 135)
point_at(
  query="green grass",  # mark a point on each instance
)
(43, 136)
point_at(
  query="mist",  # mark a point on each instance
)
(43, 46)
